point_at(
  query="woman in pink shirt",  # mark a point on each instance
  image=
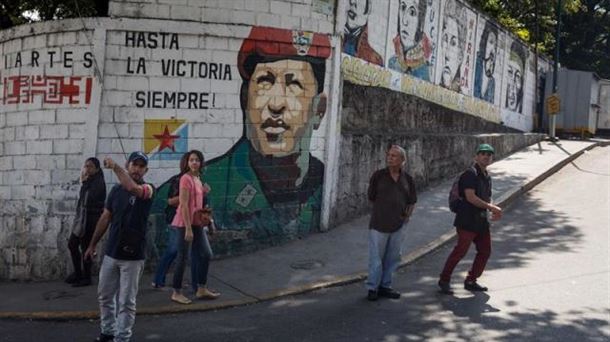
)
(191, 195)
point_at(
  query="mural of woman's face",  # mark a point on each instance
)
(450, 50)
(408, 15)
(490, 54)
(514, 84)
(356, 16)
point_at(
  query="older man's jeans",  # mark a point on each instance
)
(118, 285)
(385, 250)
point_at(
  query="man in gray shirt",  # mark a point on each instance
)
(392, 192)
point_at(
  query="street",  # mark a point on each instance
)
(549, 280)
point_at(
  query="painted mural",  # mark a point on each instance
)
(488, 64)
(412, 46)
(514, 76)
(356, 31)
(448, 44)
(268, 183)
(46, 77)
(267, 187)
(358, 72)
(453, 43)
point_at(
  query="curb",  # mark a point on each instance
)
(504, 200)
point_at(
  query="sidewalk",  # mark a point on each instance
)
(321, 260)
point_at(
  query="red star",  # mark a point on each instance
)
(166, 139)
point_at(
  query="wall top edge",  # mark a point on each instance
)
(131, 24)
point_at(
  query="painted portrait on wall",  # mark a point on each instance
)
(488, 65)
(514, 76)
(454, 30)
(412, 46)
(268, 183)
(356, 31)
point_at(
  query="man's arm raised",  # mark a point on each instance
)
(140, 190)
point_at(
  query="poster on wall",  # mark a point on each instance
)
(456, 47)
(489, 61)
(514, 75)
(412, 37)
(360, 39)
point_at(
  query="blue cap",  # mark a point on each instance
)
(138, 155)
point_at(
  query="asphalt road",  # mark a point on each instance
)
(549, 280)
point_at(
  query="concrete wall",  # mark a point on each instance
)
(439, 142)
(107, 86)
(168, 76)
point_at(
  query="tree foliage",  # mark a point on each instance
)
(16, 12)
(585, 29)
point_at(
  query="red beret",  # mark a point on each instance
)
(275, 42)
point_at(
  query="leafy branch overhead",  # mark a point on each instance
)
(585, 28)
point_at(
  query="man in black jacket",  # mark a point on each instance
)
(471, 221)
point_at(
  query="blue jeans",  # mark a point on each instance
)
(171, 250)
(201, 253)
(385, 250)
(118, 286)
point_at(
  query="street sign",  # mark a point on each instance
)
(553, 104)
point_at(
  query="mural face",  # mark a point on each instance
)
(487, 55)
(355, 35)
(268, 185)
(453, 38)
(515, 68)
(280, 113)
(357, 14)
(412, 47)
(409, 23)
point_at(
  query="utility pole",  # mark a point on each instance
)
(556, 66)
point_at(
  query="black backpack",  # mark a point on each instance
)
(455, 199)
(174, 189)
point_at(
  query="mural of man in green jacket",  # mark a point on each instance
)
(268, 187)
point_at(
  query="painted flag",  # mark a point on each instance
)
(165, 139)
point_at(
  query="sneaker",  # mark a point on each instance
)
(389, 293)
(157, 286)
(82, 282)
(474, 286)
(72, 278)
(372, 295)
(104, 338)
(445, 287)
(205, 293)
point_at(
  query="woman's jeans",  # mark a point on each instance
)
(201, 253)
(168, 257)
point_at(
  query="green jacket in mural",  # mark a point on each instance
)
(259, 199)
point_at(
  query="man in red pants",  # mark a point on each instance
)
(471, 221)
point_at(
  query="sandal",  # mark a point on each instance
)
(180, 298)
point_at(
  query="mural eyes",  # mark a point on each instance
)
(453, 41)
(266, 81)
(412, 11)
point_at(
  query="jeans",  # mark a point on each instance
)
(385, 250)
(201, 253)
(482, 241)
(118, 285)
(168, 257)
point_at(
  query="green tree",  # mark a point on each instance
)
(15, 12)
(585, 29)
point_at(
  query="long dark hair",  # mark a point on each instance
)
(184, 162)
(95, 162)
